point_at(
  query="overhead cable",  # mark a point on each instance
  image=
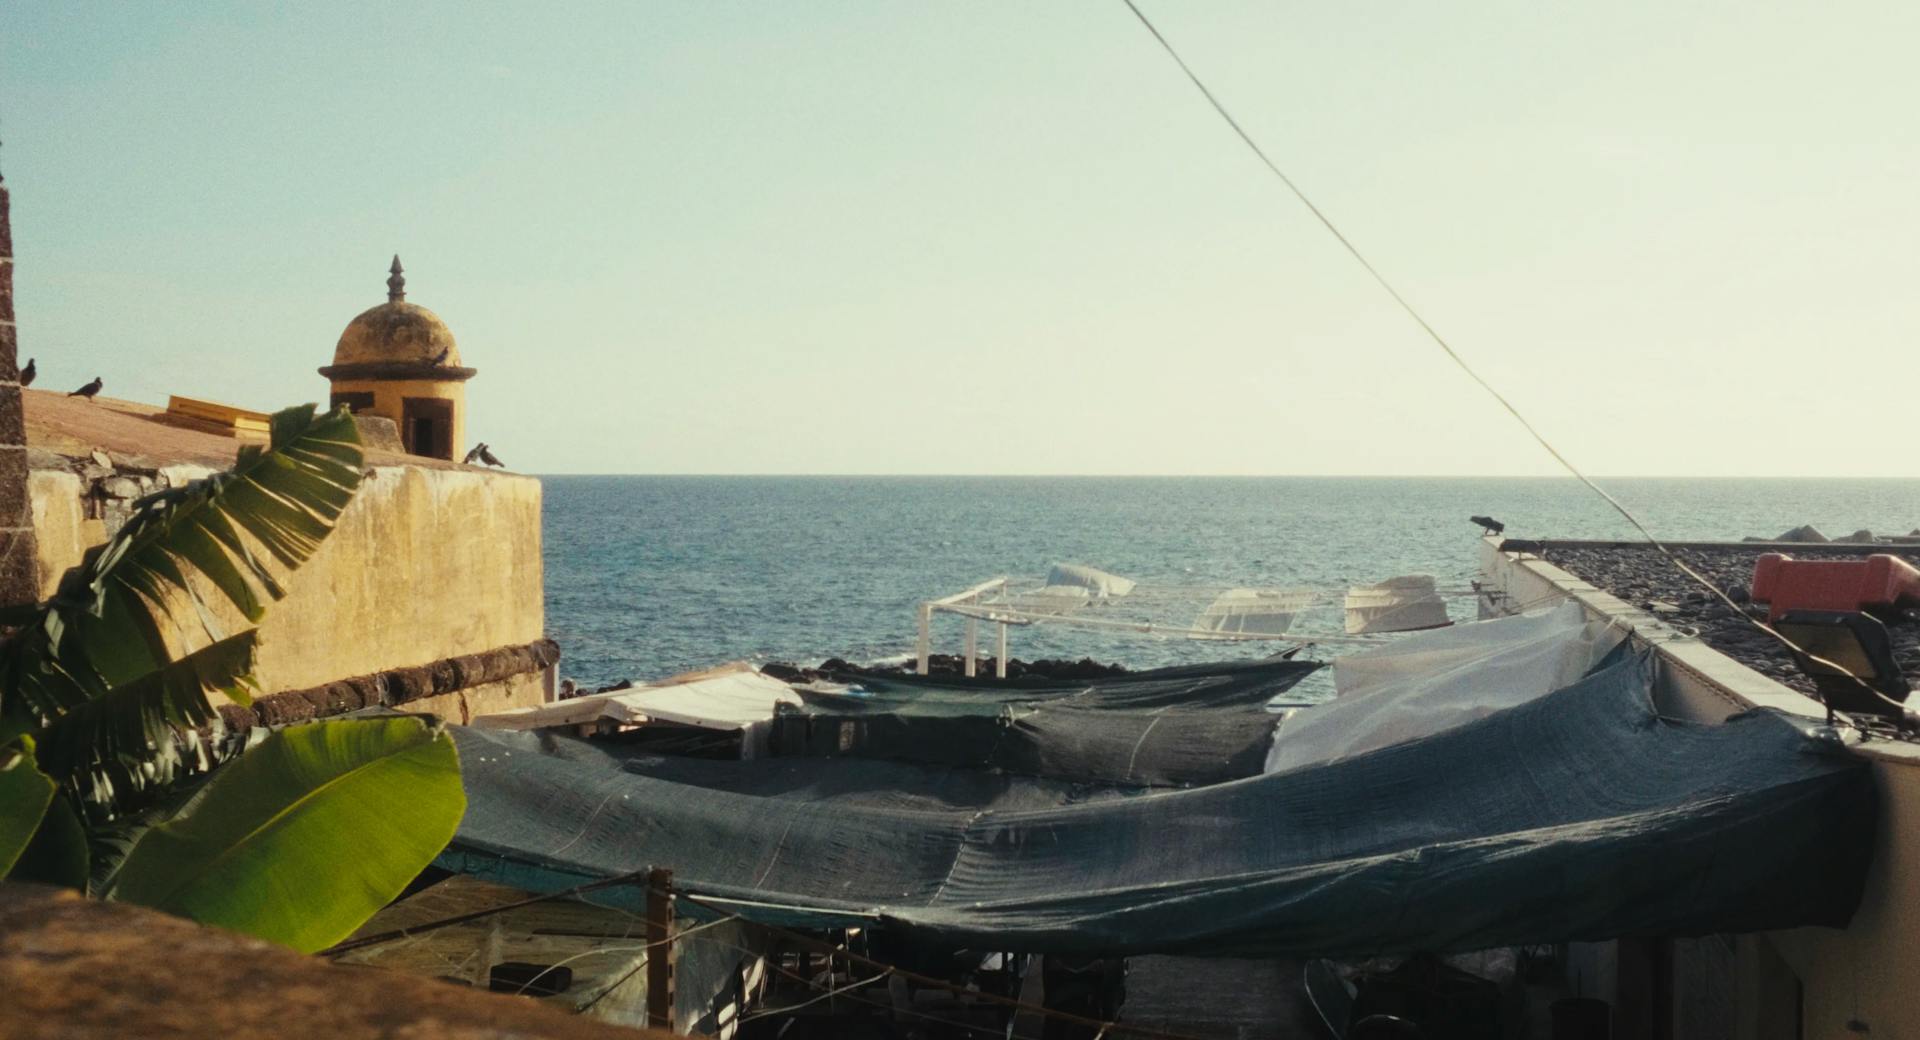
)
(1454, 355)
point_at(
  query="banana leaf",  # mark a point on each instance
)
(122, 616)
(58, 853)
(283, 499)
(25, 793)
(307, 834)
(105, 745)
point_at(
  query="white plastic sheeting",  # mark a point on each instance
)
(1098, 583)
(728, 699)
(1404, 604)
(1251, 612)
(1434, 681)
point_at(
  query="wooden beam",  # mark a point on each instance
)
(660, 949)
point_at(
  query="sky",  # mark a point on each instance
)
(998, 236)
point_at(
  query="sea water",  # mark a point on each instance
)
(647, 576)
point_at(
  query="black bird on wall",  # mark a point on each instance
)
(89, 390)
(441, 358)
(486, 456)
(27, 374)
(473, 455)
(1489, 524)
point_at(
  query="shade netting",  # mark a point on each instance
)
(1580, 815)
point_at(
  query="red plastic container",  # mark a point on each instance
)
(1879, 582)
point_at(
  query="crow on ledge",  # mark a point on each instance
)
(1489, 525)
(89, 390)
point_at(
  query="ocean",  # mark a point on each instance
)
(647, 576)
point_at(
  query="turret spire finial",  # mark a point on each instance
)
(396, 283)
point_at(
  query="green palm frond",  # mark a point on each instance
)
(283, 500)
(97, 668)
(130, 737)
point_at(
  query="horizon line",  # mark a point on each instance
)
(1236, 476)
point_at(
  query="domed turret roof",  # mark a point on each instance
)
(396, 331)
(397, 340)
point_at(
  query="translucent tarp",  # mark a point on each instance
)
(1431, 681)
(1251, 612)
(1580, 815)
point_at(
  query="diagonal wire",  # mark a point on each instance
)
(1454, 355)
(829, 994)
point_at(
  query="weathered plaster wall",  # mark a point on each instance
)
(1866, 973)
(425, 564)
(61, 530)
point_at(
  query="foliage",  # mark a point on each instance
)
(58, 854)
(25, 793)
(267, 846)
(109, 672)
(105, 688)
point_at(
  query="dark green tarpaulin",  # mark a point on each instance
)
(1577, 816)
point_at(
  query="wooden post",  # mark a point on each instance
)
(973, 643)
(1000, 657)
(660, 949)
(925, 648)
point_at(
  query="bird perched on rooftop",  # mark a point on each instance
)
(441, 358)
(89, 390)
(486, 456)
(27, 374)
(1489, 525)
(474, 455)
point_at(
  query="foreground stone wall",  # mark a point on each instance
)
(427, 564)
(73, 967)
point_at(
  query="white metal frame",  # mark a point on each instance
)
(978, 604)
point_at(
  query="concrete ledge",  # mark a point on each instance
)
(1696, 681)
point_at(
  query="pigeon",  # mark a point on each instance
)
(27, 374)
(89, 390)
(1489, 524)
(474, 454)
(486, 456)
(441, 358)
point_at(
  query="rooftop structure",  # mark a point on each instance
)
(399, 361)
(427, 594)
(1761, 985)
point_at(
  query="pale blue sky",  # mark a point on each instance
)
(789, 237)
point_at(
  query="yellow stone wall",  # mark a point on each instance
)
(388, 393)
(425, 564)
(62, 533)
